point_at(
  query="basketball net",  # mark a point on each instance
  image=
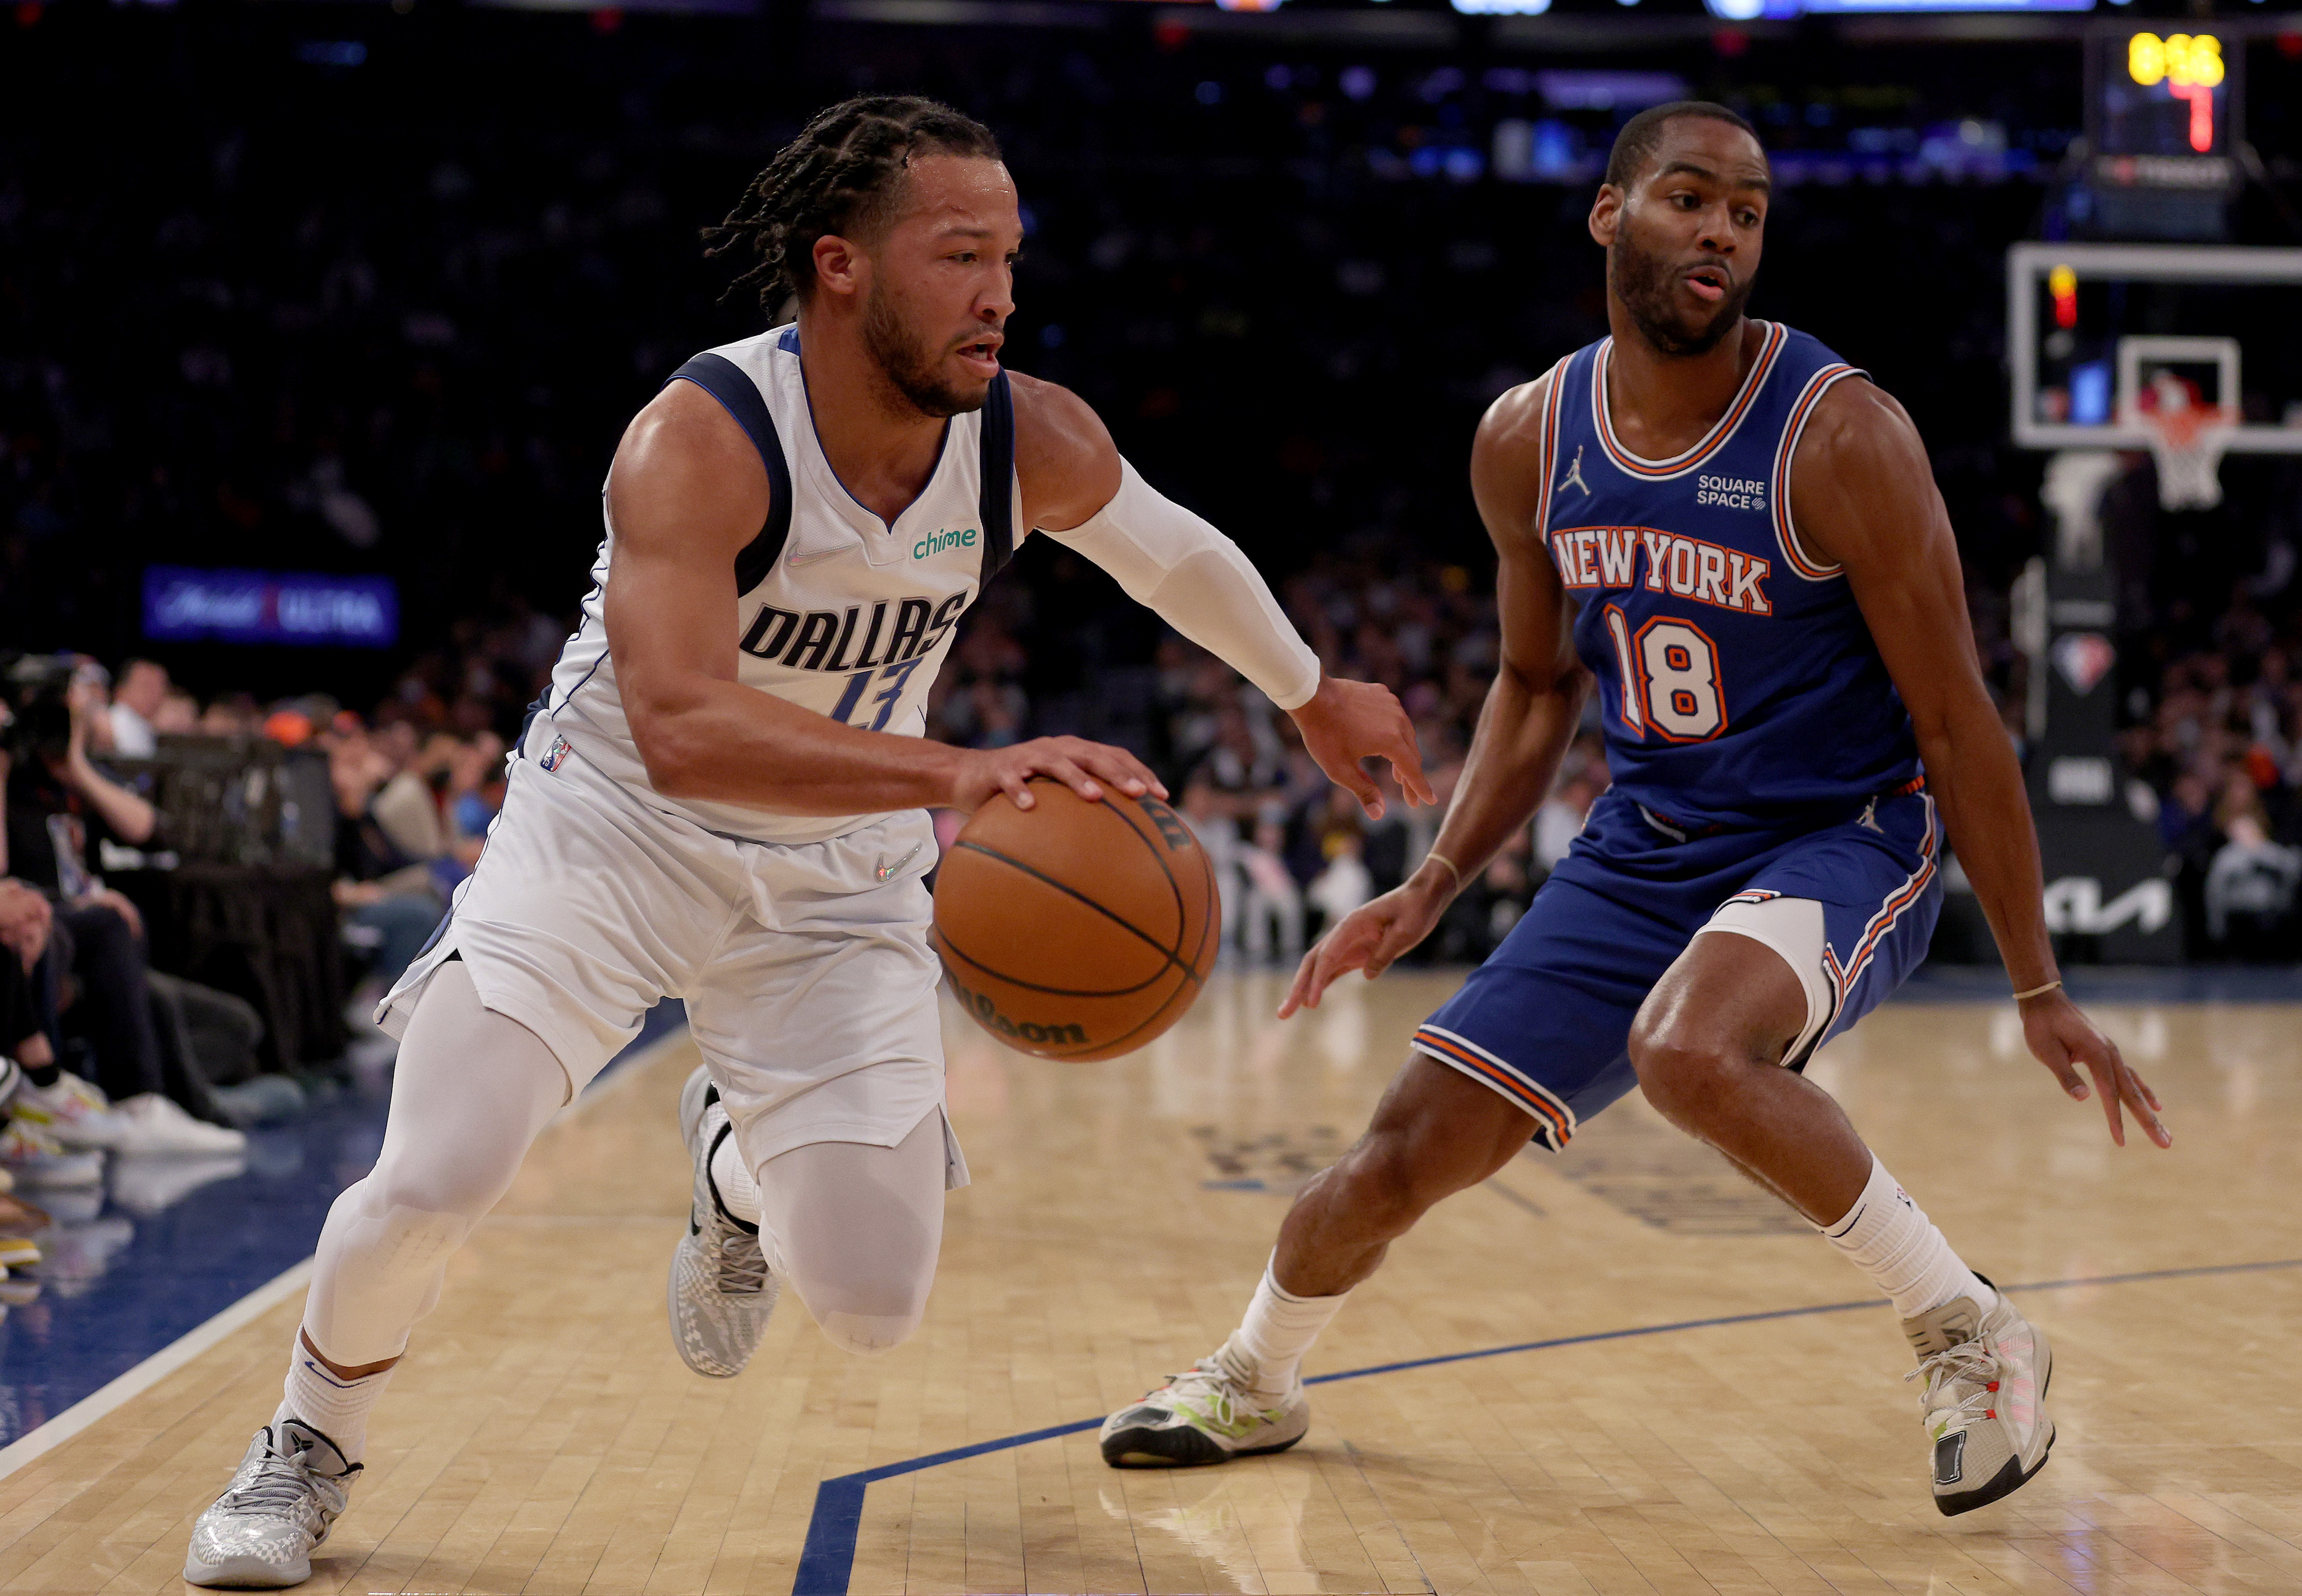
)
(2187, 439)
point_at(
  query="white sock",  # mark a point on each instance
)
(1279, 1330)
(338, 1409)
(1889, 1238)
(739, 1193)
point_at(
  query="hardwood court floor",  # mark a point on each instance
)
(543, 1436)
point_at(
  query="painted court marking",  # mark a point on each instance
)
(166, 1361)
(828, 1558)
(176, 1354)
(827, 1561)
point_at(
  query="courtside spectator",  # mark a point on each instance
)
(138, 694)
(60, 808)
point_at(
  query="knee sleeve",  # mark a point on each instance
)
(378, 1272)
(855, 1231)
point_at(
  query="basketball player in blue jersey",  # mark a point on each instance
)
(723, 795)
(1737, 537)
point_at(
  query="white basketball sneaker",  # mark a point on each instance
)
(721, 1290)
(1984, 1400)
(1210, 1412)
(261, 1533)
(74, 1111)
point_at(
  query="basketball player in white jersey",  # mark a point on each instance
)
(723, 795)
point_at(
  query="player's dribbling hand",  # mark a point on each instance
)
(1369, 938)
(1083, 766)
(2062, 1039)
(1347, 721)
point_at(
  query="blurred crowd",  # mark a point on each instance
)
(121, 1079)
(327, 325)
(2218, 766)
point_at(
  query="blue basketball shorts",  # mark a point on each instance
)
(1546, 1021)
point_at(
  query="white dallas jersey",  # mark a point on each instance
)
(838, 612)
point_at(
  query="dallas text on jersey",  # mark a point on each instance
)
(820, 640)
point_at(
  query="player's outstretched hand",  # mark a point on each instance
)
(1347, 721)
(1369, 938)
(1085, 767)
(2062, 1038)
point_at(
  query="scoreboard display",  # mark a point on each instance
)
(2165, 94)
(2163, 106)
(2163, 129)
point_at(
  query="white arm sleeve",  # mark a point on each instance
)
(1199, 583)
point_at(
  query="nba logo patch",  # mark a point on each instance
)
(556, 754)
(2084, 659)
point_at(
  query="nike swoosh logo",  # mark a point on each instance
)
(886, 870)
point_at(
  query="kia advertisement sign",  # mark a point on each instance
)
(183, 605)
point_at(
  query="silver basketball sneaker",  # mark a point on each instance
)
(721, 1290)
(260, 1534)
(1984, 1400)
(1208, 1414)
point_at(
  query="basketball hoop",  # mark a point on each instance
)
(2187, 438)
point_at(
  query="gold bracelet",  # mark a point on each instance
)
(2038, 991)
(1451, 868)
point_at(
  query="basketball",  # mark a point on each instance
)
(1076, 930)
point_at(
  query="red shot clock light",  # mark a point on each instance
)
(2062, 284)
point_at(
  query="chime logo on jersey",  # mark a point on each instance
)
(1610, 556)
(846, 640)
(936, 542)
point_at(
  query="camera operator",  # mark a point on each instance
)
(59, 803)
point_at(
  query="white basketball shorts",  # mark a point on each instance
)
(810, 986)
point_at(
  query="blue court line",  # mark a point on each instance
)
(828, 1560)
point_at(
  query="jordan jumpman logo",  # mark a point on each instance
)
(1574, 476)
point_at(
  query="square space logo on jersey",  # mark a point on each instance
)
(1731, 493)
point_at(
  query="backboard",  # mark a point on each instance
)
(2091, 328)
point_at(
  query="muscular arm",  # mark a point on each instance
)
(1524, 727)
(1863, 495)
(688, 491)
(1531, 709)
(1077, 488)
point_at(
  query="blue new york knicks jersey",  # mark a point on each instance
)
(1758, 749)
(1739, 685)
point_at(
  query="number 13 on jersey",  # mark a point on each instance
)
(1670, 678)
(896, 677)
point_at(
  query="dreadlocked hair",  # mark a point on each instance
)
(837, 178)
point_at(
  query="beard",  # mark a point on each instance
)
(909, 362)
(1643, 282)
